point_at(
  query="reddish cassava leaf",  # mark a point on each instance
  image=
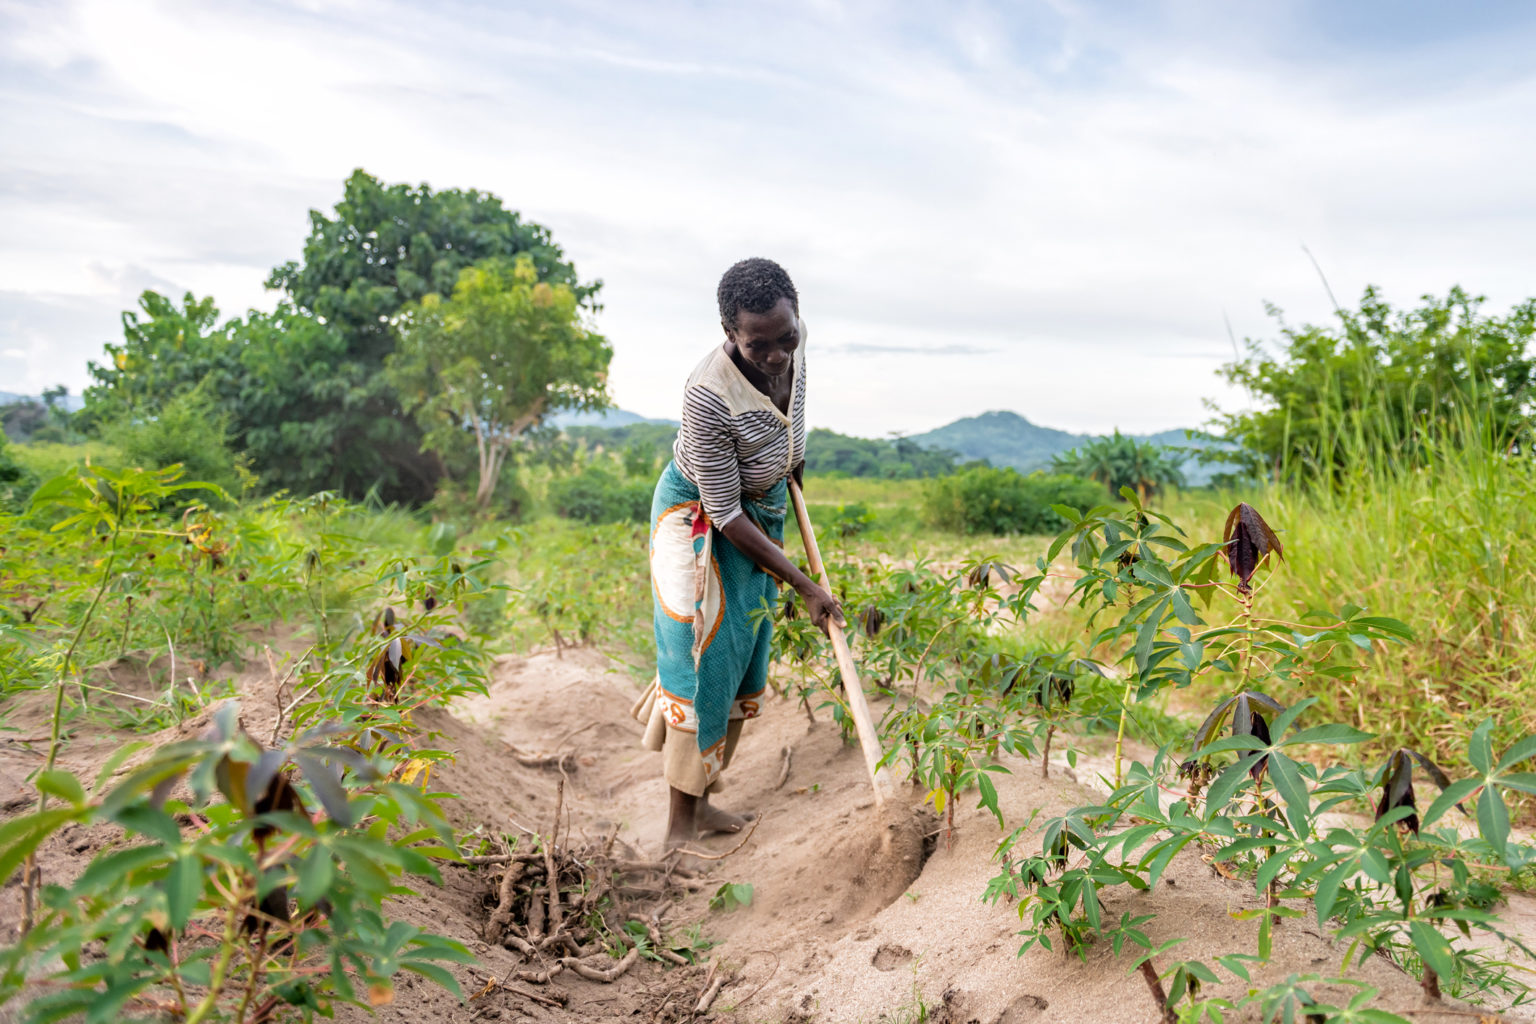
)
(1397, 785)
(1397, 789)
(1248, 541)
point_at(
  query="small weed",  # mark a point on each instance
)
(731, 895)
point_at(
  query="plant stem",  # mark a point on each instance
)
(1149, 975)
(221, 967)
(1430, 984)
(30, 874)
(1125, 702)
(257, 959)
(1045, 753)
(917, 671)
(122, 644)
(1247, 657)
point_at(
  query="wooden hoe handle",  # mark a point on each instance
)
(869, 740)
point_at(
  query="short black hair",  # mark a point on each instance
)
(755, 285)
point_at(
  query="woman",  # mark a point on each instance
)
(717, 534)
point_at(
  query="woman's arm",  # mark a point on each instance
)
(751, 541)
(706, 434)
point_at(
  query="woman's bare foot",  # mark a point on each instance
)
(689, 817)
(709, 819)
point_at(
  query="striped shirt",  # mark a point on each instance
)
(734, 440)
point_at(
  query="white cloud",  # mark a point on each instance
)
(1051, 208)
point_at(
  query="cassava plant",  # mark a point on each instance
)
(1399, 885)
(249, 880)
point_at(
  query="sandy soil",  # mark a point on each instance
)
(819, 941)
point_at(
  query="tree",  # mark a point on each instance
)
(1117, 461)
(494, 359)
(304, 386)
(385, 247)
(166, 351)
(1384, 383)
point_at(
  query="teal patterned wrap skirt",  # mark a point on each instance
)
(711, 654)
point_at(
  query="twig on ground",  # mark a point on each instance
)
(552, 875)
(552, 901)
(771, 974)
(713, 982)
(690, 852)
(565, 761)
(787, 753)
(521, 827)
(284, 710)
(608, 976)
(563, 740)
(526, 857)
(552, 1001)
(658, 866)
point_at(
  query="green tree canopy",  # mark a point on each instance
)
(167, 350)
(1383, 383)
(494, 359)
(1117, 461)
(389, 245)
(304, 386)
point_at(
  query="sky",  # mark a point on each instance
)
(1068, 210)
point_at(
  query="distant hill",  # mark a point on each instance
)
(607, 418)
(1001, 438)
(1008, 439)
(72, 403)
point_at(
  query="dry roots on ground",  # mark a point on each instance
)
(564, 908)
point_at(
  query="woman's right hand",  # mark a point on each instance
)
(821, 607)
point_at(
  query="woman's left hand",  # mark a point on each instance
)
(821, 607)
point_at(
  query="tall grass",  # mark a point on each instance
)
(1422, 510)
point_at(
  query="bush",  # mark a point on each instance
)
(597, 496)
(16, 481)
(984, 499)
(189, 431)
(852, 519)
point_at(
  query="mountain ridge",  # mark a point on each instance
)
(1005, 438)
(1001, 437)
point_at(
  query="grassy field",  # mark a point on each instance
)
(1441, 548)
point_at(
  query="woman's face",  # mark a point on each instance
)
(768, 340)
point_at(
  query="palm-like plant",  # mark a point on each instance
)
(1117, 461)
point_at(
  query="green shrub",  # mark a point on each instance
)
(16, 481)
(985, 499)
(190, 431)
(597, 496)
(852, 519)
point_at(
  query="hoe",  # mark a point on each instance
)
(895, 853)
